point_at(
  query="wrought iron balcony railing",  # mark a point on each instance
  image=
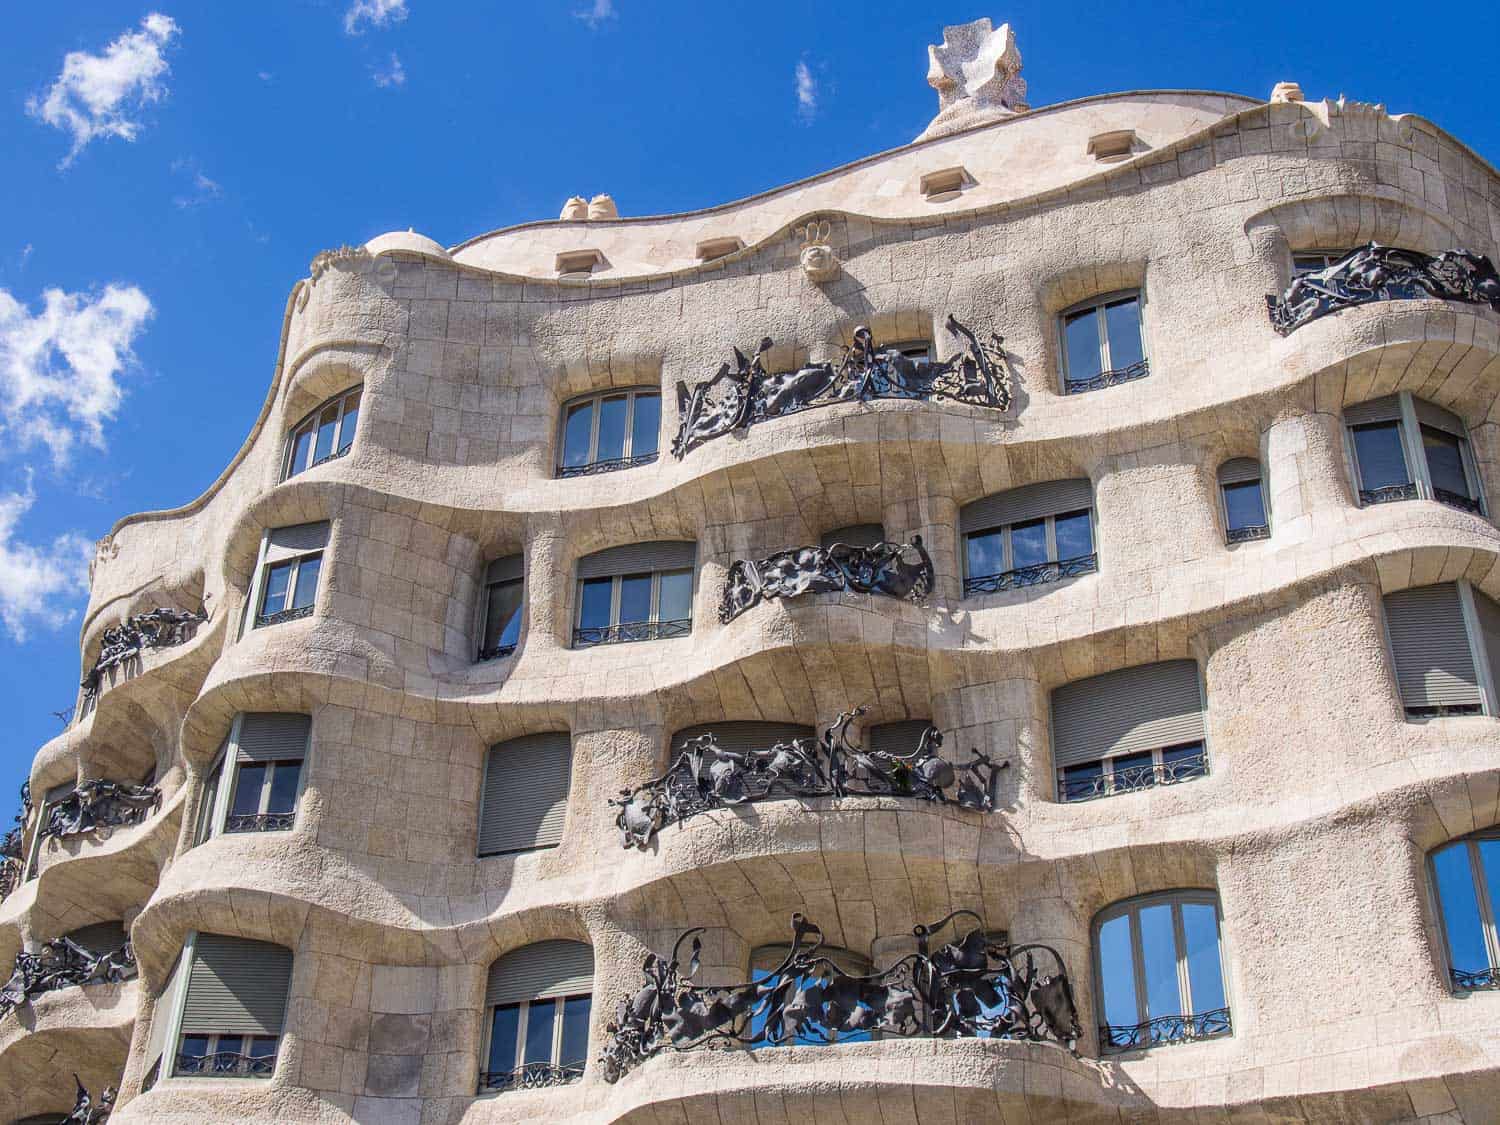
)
(1248, 533)
(1476, 981)
(1131, 778)
(628, 631)
(227, 1062)
(1036, 575)
(1137, 370)
(1166, 1029)
(1444, 710)
(612, 465)
(63, 963)
(495, 653)
(531, 1076)
(160, 628)
(99, 804)
(295, 614)
(334, 456)
(898, 570)
(1458, 500)
(260, 822)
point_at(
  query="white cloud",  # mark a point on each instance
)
(807, 92)
(595, 15)
(264, 75)
(102, 95)
(392, 75)
(375, 13)
(204, 190)
(61, 368)
(38, 583)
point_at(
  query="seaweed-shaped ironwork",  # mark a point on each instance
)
(160, 628)
(898, 570)
(705, 775)
(1384, 273)
(977, 986)
(63, 963)
(745, 393)
(98, 804)
(85, 1112)
(13, 846)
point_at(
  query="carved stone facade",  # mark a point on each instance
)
(919, 389)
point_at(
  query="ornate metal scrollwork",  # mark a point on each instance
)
(742, 395)
(260, 822)
(1248, 533)
(100, 803)
(160, 628)
(13, 847)
(63, 963)
(978, 986)
(1039, 574)
(885, 568)
(1165, 1029)
(593, 468)
(1137, 370)
(1387, 494)
(227, 1062)
(1465, 981)
(1384, 273)
(706, 776)
(296, 613)
(530, 1076)
(627, 631)
(85, 1112)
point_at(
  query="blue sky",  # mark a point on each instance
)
(170, 169)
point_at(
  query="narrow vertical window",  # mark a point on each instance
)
(325, 434)
(1103, 343)
(609, 431)
(504, 591)
(1466, 882)
(1242, 492)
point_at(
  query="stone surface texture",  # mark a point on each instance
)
(1312, 827)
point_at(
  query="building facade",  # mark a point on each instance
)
(1022, 601)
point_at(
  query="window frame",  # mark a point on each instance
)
(172, 1040)
(311, 420)
(1251, 532)
(250, 618)
(1327, 258)
(227, 767)
(1108, 375)
(523, 1019)
(628, 458)
(1409, 434)
(652, 624)
(1132, 907)
(500, 651)
(44, 809)
(1483, 901)
(1484, 673)
(1007, 551)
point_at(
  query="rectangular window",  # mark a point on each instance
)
(256, 783)
(232, 1009)
(1030, 552)
(616, 430)
(1466, 878)
(1314, 261)
(502, 619)
(634, 607)
(1130, 772)
(286, 575)
(1382, 463)
(1103, 343)
(1405, 448)
(537, 1043)
(1436, 638)
(324, 435)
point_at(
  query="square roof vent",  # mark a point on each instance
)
(1117, 144)
(578, 263)
(939, 187)
(711, 248)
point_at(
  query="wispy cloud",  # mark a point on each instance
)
(265, 75)
(26, 252)
(392, 74)
(39, 584)
(365, 14)
(807, 92)
(203, 190)
(61, 368)
(597, 13)
(103, 95)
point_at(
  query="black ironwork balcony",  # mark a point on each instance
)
(260, 822)
(84, 1111)
(1479, 980)
(63, 963)
(1248, 533)
(295, 614)
(1166, 1029)
(160, 628)
(628, 631)
(99, 804)
(1127, 779)
(1458, 500)
(232, 1063)
(1387, 494)
(1036, 575)
(530, 1076)
(613, 465)
(496, 652)
(1137, 370)
(898, 570)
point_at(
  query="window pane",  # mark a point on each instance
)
(351, 417)
(263, 1047)
(229, 1045)
(1075, 535)
(1133, 771)
(1122, 320)
(1243, 505)
(284, 787)
(210, 798)
(248, 781)
(1082, 332)
(502, 615)
(194, 1046)
(1200, 933)
(676, 596)
(576, 433)
(1188, 760)
(575, 1033)
(328, 423)
(1082, 782)
(1460, 909)
(539, 1021)
(611, 429)
(1118, 972)
(594, 603)
(986, 553)
(1028, 544)
(1445, 461)
(307, 581)
(646, 425)
(507, 1020)
(1377, 448)
(273, 600)
(1159, 952)
(635, 598)
(300, 446)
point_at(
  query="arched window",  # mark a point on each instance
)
(1028, 536)
(1405, 448)
(1103, 342)
(504, 589)
(639, 592)
(609, 431)
(538, 1000)
(1466, 882)
(325, 434)
(1160, 966)
(525, 800)
(1243, 496)
(765, 959)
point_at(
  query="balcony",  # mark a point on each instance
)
(627, 631)
(531, 1076)
(1137, 370)
(1165, 1030)
(1038, 574)
(614, 465)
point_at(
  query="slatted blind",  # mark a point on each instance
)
(237, 987)
(540, 971)
(896, 738)
(299, 539)
(744, 736)
(526, 793)
(1434, 665)
(1489, 630)
(633, 558)
(1387, 408)
(270, 736)
(1239, 470)
(162, 1013)
(1029, 502)
(506, 569)
(101, 937)
(855, 535)
(1123, 712)
(1439, 418)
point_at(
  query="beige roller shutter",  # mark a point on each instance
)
(299, 539)
(633, 558)
(525, 799)
(537, 972)
(237, 987)
(1430, 646)
(1239, 470)
(269, 736)
(1489, 630)
(1027, 503)
(1387, 408)
(1142, 708)
(742, 737)
(1438, 418)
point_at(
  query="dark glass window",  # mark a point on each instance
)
(537, 1042)
(1244, 505)
(634, 607)
(1377, 448)
(323, 435)
(265, 796)
(1445, 463)
(289, 586)
(502, 618)
(616, 430)
(1019, 554)
(1103, 343)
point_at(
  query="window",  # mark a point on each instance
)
(1160, 965)
(262, 760)
(1405, 448)
(1305, 262)
(642, 592)
(223, 1008)
(1128, 730)
(855, 535)
(766, 959)
(1445, 641)
(286, 579)
(325, 434)
(525, 800)
(605, 432)
(538, 1004)
(1028, 536)
(1103, 343)
(1466, 881)
(54, 796)
(1242, 493)
(504, 585)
